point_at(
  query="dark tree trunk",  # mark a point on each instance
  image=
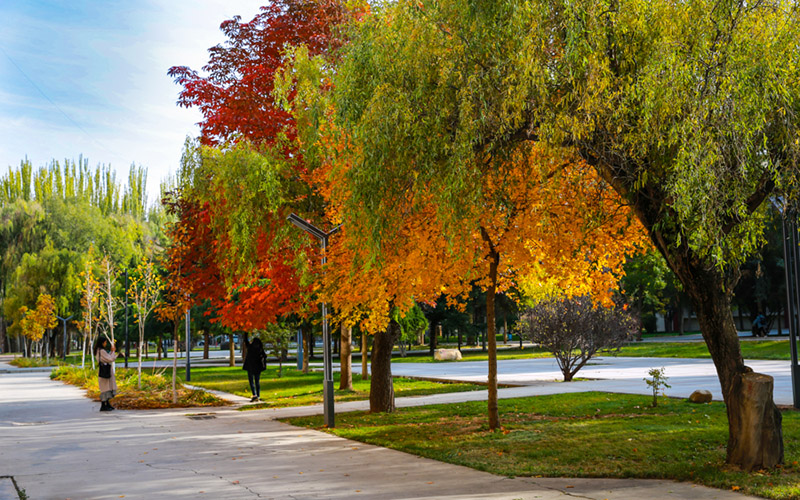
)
(345, 359)
(755, 438)
(364, 344)
(5, 345)
(494, 417)
(231, 351)
(494, 260)
(434, 331)
(206, 340)
(381, 388)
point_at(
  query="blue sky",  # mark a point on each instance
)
(89, 77)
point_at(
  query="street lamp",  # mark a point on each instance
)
(64, 344)
(188, 348)
(327, 382)
(791, 253)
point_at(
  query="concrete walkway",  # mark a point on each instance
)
(56, 445)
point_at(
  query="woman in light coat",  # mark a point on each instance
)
(108, 386)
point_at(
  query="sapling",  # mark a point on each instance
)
(658, 382)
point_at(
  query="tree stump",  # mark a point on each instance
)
(755, 440)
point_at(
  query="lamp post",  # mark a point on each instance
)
(188, 348)
(327, 382)
(64, 343)
(791, 253)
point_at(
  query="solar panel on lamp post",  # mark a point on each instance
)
(327, 382)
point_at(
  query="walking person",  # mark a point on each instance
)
(255, 362)
(106, 354)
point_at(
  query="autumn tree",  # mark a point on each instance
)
(238, 104)
(687, 111)
(144, 290)
(35, 322)
(108, 301)
(90, 309)
(502, 214)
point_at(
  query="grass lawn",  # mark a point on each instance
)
(578, 435)
(295, 388)
(156, 390)
(751, 349)
(479, 355)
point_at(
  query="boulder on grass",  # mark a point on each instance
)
(447, 355)
(701, 396)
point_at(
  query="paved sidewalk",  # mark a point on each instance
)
(56, 445)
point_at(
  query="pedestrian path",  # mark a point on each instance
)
(56, 445)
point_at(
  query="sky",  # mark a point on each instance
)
(89, 77)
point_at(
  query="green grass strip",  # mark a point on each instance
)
(578, 435)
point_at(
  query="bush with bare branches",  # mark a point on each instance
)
(574, 330)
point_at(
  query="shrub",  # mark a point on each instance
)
(156, 391)
(574, 330)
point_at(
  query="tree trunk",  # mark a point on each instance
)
(494, 417)
(159, 349)
(206, 340)
(345, 359)
(5, 345)
(381, 387)
(434, 331)
(232, 351)
(364, 344)
(755, 438)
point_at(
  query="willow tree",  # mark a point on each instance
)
(502, 213)
(688, 109)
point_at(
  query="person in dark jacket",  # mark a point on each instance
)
(255, 362)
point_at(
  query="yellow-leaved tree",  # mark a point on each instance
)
(144, 290)
(35, 322)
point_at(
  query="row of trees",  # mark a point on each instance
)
(528, 145)
(56, 223)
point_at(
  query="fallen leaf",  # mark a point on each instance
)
(430, 482)
(234, 482)
(569, 486)
(735, 488)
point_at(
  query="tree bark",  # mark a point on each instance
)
(364, 350)
(206, 340)
(345, 359)
(231, 351)
(494, 260)
(5, 345)
(381, 389)
(755, 437)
